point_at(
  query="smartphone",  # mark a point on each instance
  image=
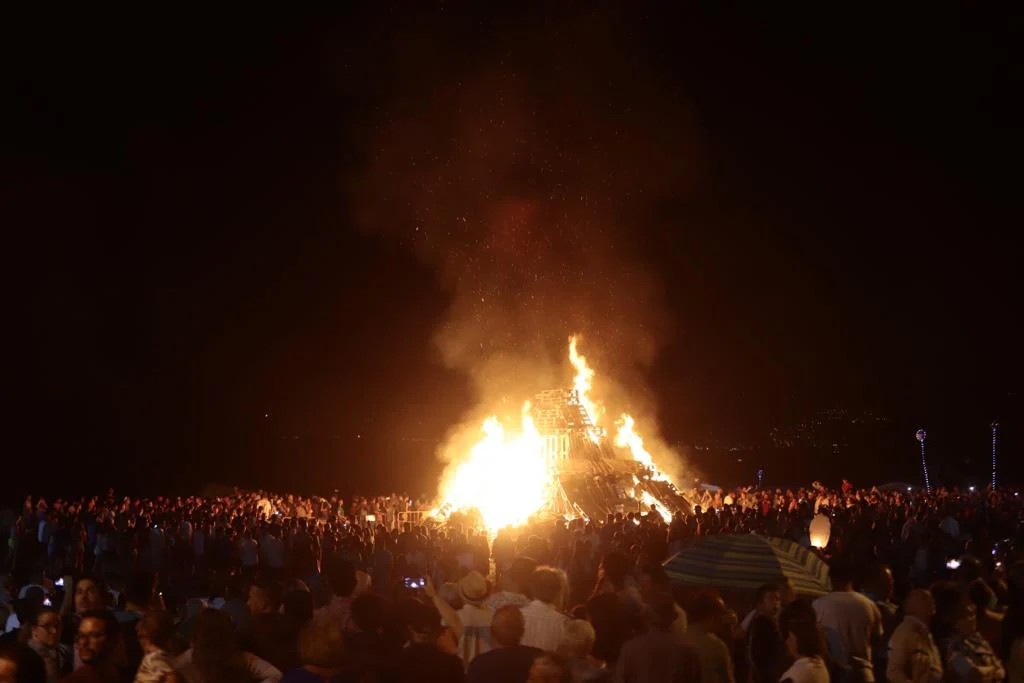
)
(415, 582)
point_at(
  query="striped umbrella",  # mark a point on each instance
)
(743, 562)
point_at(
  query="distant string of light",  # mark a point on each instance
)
(921, 436)
(995, 435)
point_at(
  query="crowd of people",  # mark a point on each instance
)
(256, 587)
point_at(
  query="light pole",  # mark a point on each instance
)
(921, 436)
(995, 441)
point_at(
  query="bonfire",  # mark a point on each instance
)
(558, 460)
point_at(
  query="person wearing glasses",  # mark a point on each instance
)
(96, 640)
(44, 638)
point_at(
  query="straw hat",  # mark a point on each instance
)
(473, 587)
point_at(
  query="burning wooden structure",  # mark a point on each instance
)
(592, 478)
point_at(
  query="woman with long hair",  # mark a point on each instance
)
(215, 656)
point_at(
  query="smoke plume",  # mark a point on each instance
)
(526, 176)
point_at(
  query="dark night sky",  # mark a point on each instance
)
(752, 213)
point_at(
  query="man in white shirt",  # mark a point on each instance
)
(913, 656)
(850, 621)
(543, 619)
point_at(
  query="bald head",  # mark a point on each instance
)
(507, 626)
(920, 604)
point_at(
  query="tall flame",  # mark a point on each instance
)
(583, 382)
(628, 438)
(505, 477)
(649, 500)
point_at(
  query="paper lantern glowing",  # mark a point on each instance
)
(820, 530)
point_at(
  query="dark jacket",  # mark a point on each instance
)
(765, 650)
(429, 664)
(503, 665)
(268, 637)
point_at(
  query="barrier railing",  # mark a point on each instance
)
(414, 517)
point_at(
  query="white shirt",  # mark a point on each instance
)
(913, 656)
(12, 623)
(807, 670)
(543, 626)
(259, 670)
(476, 632)
(850, 620)
(502, 598)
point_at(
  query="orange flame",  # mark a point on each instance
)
(505, 478)
(583, 383)
(508, 479)
(649, 500)
(628, 438)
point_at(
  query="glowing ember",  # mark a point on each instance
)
(505, 478)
